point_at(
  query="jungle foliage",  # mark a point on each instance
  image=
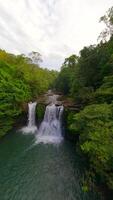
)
(21, 81)
(88, 79)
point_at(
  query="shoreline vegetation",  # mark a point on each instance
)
(88, 80)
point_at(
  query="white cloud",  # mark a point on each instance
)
(55, 28)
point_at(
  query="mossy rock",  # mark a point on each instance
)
(67, 119)
(40, 110)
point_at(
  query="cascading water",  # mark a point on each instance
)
(31, 127)
(50, 130)
(31, 118)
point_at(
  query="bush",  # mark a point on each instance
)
(95, 126)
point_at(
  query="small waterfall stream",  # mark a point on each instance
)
(31, 114)
(50, 130)
(31, 127)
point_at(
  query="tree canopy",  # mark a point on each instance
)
(88, 79)
(21, 81)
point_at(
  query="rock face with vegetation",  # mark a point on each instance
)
(88, 79)
(40, 110)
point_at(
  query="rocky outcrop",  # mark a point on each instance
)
(67, 102)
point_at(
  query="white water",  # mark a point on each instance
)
(50, 129)
(31, 127)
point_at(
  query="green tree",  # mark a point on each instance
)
(20, 81)
(108, 20)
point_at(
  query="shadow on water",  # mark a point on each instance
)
(30, 171)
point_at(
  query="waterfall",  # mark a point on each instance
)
(50, 130)
(31, 114)
(31, 127)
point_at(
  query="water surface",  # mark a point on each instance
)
(30, 171)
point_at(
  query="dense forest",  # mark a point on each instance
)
(21, 81)
(88, 79)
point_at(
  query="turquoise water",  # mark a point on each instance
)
(30, 171)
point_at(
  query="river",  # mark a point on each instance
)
(31, 171)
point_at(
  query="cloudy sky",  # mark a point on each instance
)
(55, 28)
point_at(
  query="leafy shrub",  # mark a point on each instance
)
(95, 126)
